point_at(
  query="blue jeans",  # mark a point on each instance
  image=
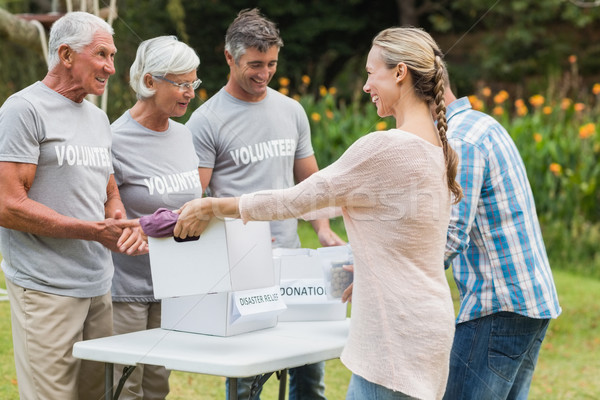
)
(362, 389)
(494, 357)
(306, 383)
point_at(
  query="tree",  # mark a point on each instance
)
(21, 31)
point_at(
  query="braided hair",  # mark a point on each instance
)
(442, 126)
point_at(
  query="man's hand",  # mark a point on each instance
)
(327, 237)
(347, 294)
(122, 235)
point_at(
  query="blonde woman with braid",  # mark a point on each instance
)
(394, 189)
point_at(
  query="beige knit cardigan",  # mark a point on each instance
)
(392, 191)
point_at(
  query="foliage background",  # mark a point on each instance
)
(515, 45)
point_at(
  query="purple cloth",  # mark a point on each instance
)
(161, 224)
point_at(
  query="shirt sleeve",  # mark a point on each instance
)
(341, 184)
(354, 182)
(203, 136)
(19, 132)
(304, 148)
(471, 172)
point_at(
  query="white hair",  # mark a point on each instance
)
(75, 29)
(160, 56)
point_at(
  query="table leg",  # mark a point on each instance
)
(233, 389)
(108, 381)
(258, 383)
(282, 375)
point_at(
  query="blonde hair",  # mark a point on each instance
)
(424, 59)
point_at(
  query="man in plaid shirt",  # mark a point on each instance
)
(499, 262)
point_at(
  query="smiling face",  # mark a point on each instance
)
(250, 76)
(91, 67)
(170, 100)
(381, 84)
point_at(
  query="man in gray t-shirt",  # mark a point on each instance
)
(60, 213)
(248, 146)
(249, 137)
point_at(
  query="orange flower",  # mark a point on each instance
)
(596, 89)
(381, 125)
(537, 137)
(587, 130)
(498, 110)
(579, 107)
(315, 116)
(329, 114)
(522, 111)
(476, 103)
(284, 90)
(501, 97)
(556, 169)
(486, 92)
(202, 94)
(285, 82)
(296, 97)
(519, 103)
(572, 59)
(565, 103)
(322, 90)
(332, 91)
(547, 110)
(536, 100)
(306, 80)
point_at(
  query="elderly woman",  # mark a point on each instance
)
(155, 166)
(394, 189)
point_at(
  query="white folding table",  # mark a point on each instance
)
(258, 353)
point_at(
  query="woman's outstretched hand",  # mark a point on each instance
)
(195, 215)
(192, 219)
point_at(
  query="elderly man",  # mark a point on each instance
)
(61, 214)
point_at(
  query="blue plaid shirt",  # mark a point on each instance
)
(495, 244)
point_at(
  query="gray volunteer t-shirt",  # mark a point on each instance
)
(70, 143)
(251, 147)
(153, 170)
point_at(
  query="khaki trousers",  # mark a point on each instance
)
(147, 382)
(45, 327)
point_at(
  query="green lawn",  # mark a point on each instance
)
(568, 367)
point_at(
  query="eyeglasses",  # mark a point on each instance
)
(182, 86)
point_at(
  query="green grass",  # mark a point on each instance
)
(569, 363)
(568, 367)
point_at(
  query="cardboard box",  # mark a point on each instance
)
(202, 282)
(225, 313)
(229, 256)
(302, 284)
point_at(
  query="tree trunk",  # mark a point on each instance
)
(20, 31)
(407, 12)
